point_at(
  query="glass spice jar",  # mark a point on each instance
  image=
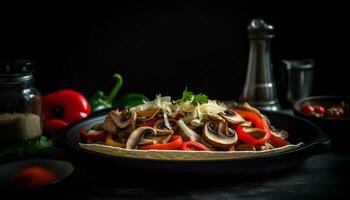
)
(20, 103)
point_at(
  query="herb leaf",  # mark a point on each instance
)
(195, 99)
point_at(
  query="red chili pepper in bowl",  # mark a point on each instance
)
(65, 107)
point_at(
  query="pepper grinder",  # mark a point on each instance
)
(259, 89)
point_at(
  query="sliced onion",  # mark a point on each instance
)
(166, 121)
(188, 132)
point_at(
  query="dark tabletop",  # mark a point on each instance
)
(323, 176)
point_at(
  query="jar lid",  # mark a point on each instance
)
(16, 71)
(259, 29)
(299, 64)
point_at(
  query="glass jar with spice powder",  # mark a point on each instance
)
(20, 103)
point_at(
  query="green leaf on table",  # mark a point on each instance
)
(28, 147)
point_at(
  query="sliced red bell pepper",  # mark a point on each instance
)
(244, 136)
(174, 143)
(193, 146)
(258, 122)
(277, 141)
(93, 138)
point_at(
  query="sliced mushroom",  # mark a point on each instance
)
(138, 136)
(124, 118)
(214, 136)
(246, 124)
(147, 114)
(223, 127)
(232, 105)
(108, 125)
(196, 123)
(162, 129)
(205, 143)
(232, 117)
(255, 132)
(214, 117)
(280, 133)
(158, 139)
(248, 107)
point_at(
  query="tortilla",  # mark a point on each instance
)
(177, 155)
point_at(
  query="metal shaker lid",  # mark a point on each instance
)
(305, 64)
(16, 71)
(258, 29)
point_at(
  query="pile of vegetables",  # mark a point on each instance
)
(192, 123)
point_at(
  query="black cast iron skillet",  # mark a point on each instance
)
(316, 142)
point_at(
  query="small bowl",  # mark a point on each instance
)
(335, 128)
(62, 169)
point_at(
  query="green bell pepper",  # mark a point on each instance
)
(100, 101)
(131, 100)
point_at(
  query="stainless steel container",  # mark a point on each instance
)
(299, 75)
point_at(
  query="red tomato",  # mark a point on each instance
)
(307, 109)
(320, 110)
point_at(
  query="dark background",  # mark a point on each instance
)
(164, 47)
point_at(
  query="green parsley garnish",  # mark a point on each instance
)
(195, 99)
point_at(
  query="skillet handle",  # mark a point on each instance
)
(322, 144)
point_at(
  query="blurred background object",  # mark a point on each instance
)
(164, 47)
(298, 79)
